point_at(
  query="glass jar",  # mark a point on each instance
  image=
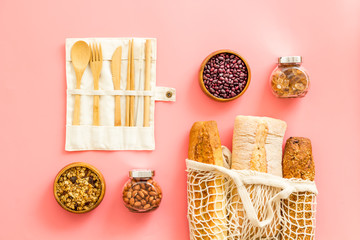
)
(289, 79)
(141, 193)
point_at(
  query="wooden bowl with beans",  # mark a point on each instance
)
(224, 75)
(79, 187)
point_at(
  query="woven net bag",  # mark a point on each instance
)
(242, 205)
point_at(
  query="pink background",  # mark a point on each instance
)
(32, 103)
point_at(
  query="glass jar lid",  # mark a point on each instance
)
(290, 59)
(141, 173)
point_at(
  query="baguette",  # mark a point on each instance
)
(209, 211)
(298, 163)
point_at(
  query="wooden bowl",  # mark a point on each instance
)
(201, 80)
(93, 169)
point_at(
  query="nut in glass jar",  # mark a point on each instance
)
(141, 193)
(289, 79)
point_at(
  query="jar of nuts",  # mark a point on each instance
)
(141, 192)
(289, 79)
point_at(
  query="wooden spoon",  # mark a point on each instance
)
(80, 56)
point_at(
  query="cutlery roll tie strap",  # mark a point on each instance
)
(160, 93)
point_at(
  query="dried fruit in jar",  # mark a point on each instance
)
(289, 82)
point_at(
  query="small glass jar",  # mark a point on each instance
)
(141, 193)
(289, 79)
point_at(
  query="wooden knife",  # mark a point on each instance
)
(116, 77)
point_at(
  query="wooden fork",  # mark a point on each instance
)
(96, 60)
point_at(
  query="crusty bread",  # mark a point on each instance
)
(298, 160)
(205, 144)
(258, 156)
(257, 145)
(257, 142)
(298, 163)
(205, 147)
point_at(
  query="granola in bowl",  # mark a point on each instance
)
(79, 188)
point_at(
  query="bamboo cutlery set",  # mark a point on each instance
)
(111, 93)
(82, 54)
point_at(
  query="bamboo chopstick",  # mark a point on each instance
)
(127, 114)
(147, 83)
(132, 86)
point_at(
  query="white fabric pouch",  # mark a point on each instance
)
(107, 136)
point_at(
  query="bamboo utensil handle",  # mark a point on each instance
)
(96, 120)
(132, 86)
(117, 111)
(147, 83)
(76, 118)
(127, 114)
(116, 76)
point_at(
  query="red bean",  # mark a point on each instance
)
(225, 75)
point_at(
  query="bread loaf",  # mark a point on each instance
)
(257, 144)
(298, 163)
(210, 198)
(298, 160)
(205, 144)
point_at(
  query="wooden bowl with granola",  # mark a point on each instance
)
(79, 187)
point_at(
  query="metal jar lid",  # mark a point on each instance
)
(141, 173)
(290, 59)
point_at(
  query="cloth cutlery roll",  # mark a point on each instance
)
(107, 136)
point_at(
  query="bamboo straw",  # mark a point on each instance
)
(127, 113)
(147, 83)
(132, 86)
